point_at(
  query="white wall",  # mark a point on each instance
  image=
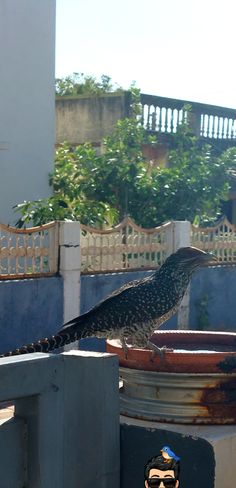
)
(27, 62)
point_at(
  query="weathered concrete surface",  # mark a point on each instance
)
(89, 119)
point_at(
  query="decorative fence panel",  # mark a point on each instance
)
(220, 240)
(126, 246)
(35, 252)
(28, 252)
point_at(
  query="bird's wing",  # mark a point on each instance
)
(120, 291)
(122, 301)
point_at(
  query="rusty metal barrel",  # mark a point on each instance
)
(194, 383)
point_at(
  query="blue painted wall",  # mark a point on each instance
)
(29, 310)
(32, 309)
(213, 299)
(212, 295)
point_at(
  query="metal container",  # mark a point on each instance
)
(178, 397)
(193, 382)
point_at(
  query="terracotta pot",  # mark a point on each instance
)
(193, 352)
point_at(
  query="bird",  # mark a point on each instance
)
(133, 311)
(168, 454)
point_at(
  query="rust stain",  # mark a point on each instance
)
(228, 365)
(220, 401)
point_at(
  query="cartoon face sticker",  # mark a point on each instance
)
(162, 471)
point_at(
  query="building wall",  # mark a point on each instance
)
(89, 119)
(212, 299)
(27, 94)
(29, 310)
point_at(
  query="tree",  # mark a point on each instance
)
(103, 189)
(80, 84)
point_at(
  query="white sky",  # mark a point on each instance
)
(174, 48)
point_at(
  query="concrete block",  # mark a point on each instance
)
(207, 452)
(92, 425)
(69, 404)
(13, 460)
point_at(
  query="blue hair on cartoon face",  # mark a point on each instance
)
(168, 454)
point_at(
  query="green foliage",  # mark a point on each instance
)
(80, 84)
(194, 183)
(102, 189)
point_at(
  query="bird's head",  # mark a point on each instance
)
(190, 258)
(165, 449)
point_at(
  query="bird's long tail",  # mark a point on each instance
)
(70, 332)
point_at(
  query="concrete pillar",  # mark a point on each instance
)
(181, 234)
(70, 266)
(182, 238)
(91, 420)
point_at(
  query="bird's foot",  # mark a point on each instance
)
(158, 351)
(125, 347)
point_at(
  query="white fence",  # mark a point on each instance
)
(40, 251)
(126, 246)
(28, 252)
(220, 240)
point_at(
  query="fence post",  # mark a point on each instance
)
(91, 429)
(182, 238)
(70, 267)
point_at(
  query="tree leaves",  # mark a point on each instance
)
(102, 189)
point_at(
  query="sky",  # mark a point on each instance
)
(183, 49)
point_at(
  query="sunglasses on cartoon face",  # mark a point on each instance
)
(156, 482)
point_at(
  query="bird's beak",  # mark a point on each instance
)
(208, 258)
(203, 258)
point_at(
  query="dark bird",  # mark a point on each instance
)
(133, 311)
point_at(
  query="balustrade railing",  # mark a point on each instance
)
(163, 115)
(28, 252)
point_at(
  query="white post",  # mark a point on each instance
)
(182, 234)
(182, 238)
(69, 268)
